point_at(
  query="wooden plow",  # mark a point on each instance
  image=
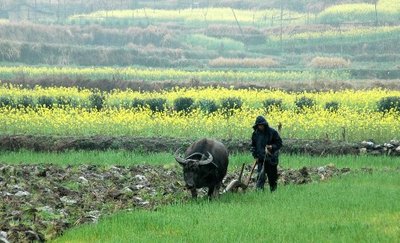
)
(234, 185)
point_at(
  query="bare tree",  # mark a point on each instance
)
(35, 11)
(281, 31)
(58, 10)
(376, 13)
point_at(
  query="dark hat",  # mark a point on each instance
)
(260, 120)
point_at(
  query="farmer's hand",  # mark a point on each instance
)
(268, 149)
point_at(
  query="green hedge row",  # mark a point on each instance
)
(183, 104)
(97, 101)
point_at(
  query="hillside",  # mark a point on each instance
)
(353, 37)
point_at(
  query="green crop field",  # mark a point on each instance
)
(350, 208)
(357, 206)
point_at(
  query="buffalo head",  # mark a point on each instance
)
(192, 167)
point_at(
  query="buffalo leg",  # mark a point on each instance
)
(216, 190)
(210, 191)
(213, 191)
(194, 192)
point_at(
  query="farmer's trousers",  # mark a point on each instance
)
(272, 173)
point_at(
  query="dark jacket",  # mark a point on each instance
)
(260, 139)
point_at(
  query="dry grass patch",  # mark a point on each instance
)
(330, 62)
(243, 62)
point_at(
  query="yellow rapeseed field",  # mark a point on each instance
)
(357, 100)
(356, 119)
(386, 10)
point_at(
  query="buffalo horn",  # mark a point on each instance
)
(178, 158)
(207, 161)
(194, 154)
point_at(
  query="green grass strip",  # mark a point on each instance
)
(126, 158)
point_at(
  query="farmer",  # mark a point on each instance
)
(265, 145)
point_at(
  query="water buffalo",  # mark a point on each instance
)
(204, 164)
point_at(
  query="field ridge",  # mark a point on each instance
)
(165, 144)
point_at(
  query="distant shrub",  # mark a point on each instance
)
(329, 62)
(332, 106)
(169, 41)
(389, 103)
(305, 102)
(207, 105)
(138, 103)
(96, 100)
(231, 103)
(46, 101)
(156, 104)
(268, 104)
(6, 101)
(183, 104)
(26, 101)
(244, 62)
(63, 101)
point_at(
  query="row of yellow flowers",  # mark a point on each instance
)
(360, 100)
(150, 74)
(360, 33)
(383, 7)
(355, 99)
(309, 124)
(189, 15)
(356, 119)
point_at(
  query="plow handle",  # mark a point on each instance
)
(251, 173)
(241, 173)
